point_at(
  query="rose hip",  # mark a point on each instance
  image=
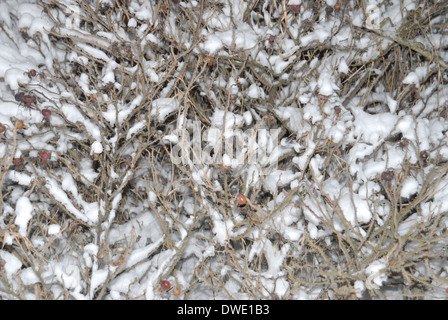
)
(46, 113)
(44, 155)
(29, 99)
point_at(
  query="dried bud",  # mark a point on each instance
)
(387, 175)
(19, 96)
(337, 6)
(19, 124)
(101, 254)
(18, 161)
(424, 155)
(337, 109)
(177, 291)
(404, 142)
(81, 126)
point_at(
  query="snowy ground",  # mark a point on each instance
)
(223, 149)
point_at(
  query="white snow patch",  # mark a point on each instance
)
(355, 209)
(376, 274)
(410, 186)
(163, 107)
(53, 229)
(24, 213)
(96, 147)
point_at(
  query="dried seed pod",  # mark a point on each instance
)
(2, 128)
(19, 96)
(424, 155)
(31, 73)
(120, 261)
(387, 175)
(337, 6)
(176, 291)
(19, 124)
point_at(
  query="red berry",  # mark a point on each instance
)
(32, 73)
(271, 38)
(165, 284)
(241, 200)
(29, 99)
(295, 8)
(44, 155)
(46, 113)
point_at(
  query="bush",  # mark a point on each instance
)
(223, 149)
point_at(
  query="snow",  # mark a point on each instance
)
(343, 67)
(410, 187)
(12, 264)
(24, 213)
(54, 229)
(255, 92)
(212, 44)
(412, 78)
(320, 196)
(376, 274)
(326, 85)
(20, 177)
(140, 254)
(14, 76)
(163, 107)
(97, 148)
(29, 276)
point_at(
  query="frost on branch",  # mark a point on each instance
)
(223, 149)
